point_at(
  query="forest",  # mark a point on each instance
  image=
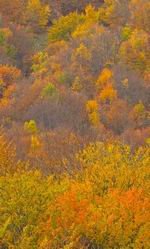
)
(74, 124)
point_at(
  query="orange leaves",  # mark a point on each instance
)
(9, 74)
(91, 106)
(73, 209)
(114, 220)
(104, 78)
(68, 217)
(121, 217)
(108, 94)
(8, 77)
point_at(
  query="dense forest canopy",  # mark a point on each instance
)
(74, 124)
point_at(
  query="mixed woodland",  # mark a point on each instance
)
(74, 124)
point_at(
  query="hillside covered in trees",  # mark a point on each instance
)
(74, 124)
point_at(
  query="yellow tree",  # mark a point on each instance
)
(8, 162)
(37, 14)
(104, 85)
(135, 51)
(65, 26)
(93, 112)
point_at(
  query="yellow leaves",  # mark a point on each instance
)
(74, 24)
(43, 16)
(107, 201)
(108, 94)
(139, 108)
(126, 33)
(139, 39)
(37, 14)
(91, 106)
(148, 141)
(93, 112)
(23, 196)
(94, 118)
(65, 26)
(91, 13)
(82, 30)
(98, 199)
(35, 142)
(32, 130)
(135, 51)
(114, 12)
(90, 24)
(138, 113)
(40, 62)
(104, 85)
(31, 127)
(8, 161)
(83, 52)
(113, 165)
(4, 228)
(87, 29)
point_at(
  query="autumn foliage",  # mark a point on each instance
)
(74, 124)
